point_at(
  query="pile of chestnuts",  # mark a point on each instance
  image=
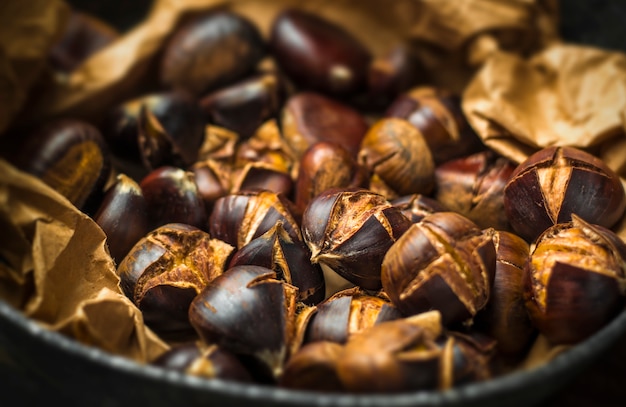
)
(294, 211)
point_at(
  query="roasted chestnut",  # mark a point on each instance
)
(398, 159)
(166, 270)
(262, 176)
(211, 50)
(210, 362)
(237, 218)
(326, 165)
(556, 182)
(444, 262)
(267, 146)
(172, 196)
(505, 318)
(244, 106)
(349, 231)
(473, 186)
(156, 129)
(416, 206)
(212, 179)
(317, 54)
(574, 280)
(437, 114)
(123, 216)
(289, 258)
(248, 311)
(347, 313)
(313, 367)
(68, 155)
(309, 117)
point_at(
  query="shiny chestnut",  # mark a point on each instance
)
(244, 106)
(249, 312)
(212, 50)
(574, 280)
(556, 182)
(318, 54)
(166, 270)
(289, 258)
(123, 216)
(172, 196)
(349, 231)
(416, 206)
(444, 262)
(68, 155)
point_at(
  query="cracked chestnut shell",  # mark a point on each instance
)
(347, 313)
(288, 258)
(211, 50)
(166, 270)
(574, 280)
(248, 311)
(474, 187)
(317, 54)
(239, 217)
(505, 318)
(349, 231)
(556, 182)
(444, 262)
(437, 114)
(398, 159)
(210, 362)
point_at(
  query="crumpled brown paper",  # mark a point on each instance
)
(566, 95)
(57, 270)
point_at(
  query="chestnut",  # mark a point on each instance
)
(444, 262)
(505, 318)
(244, 106)
(317, 54)
(416, 206)
(574, 280)
(239, 217)
(288, 258)
(437, 114)
(248, 311)
(164, 128)
(474, 187)
(410, 355)
(313, 367)
(210, 362)
(172, 196)
(309, 117)
(398, 158)
(165, 271)
(349, 231)
(556, 182)
(123, 216)
(211, 50)
(347, 313)
(325, 165)
(219, 145)
(70, 156)
(83, 36)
